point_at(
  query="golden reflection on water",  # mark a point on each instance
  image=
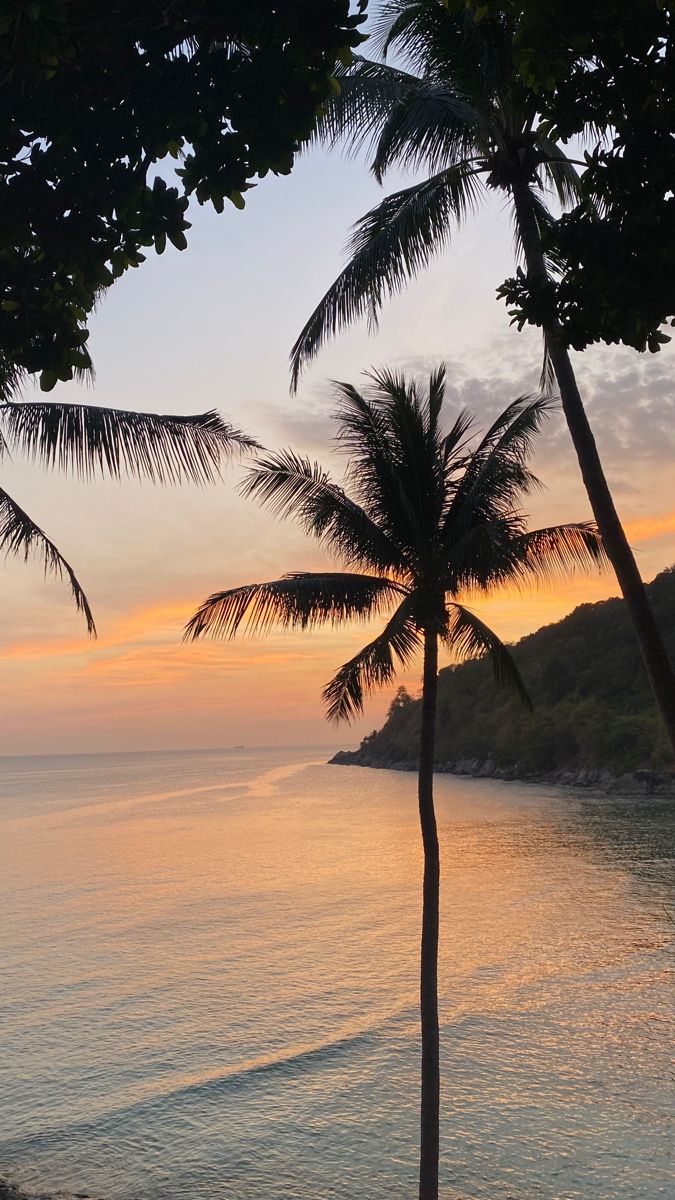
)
(176, 940)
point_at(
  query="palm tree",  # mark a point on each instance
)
(425, 520)
(455, 109)
(89, 440)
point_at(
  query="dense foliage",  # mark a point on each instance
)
(605, 71)
(92, 96)
(592, 704)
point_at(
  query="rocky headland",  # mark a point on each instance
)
(639, 782)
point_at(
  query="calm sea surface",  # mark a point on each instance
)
(210, 982)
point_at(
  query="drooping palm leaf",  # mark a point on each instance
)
(299, 600)
(555, 553)
(546, 224)
(367, 92)
(89, 440)
(389, 247)
(431, 126)
(560, 173)
(547, 378)
(293, 486)
(20, 536)
(469, 637)
(374, 666)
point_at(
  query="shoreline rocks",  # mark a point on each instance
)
(645, 782)
(12, 1191)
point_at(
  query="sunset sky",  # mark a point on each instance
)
(212, 327)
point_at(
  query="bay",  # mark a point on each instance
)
(210, 982)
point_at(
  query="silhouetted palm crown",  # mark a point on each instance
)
(457, 113)
(424, 516)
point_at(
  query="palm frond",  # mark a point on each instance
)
(560, 173)
(355, 115)
(547, 379)
(20, 536)
(382, 468)
(520, 419)
(12, 380)
(414, 445)
(300, 600)
(390, 246)
(546, 226)
(496, 477)
(480, 556)
(374, 666)
(553, 554)
(440, 42)
(469, 637)
(429, 126)
(523, 421)
(436, 395)
(293, 486)
(90, 440)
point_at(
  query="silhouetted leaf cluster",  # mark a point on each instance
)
(92, 96)
(604, 72)
(428, 514)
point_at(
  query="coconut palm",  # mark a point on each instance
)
(454, 108)
(88, 440)
(424, 520)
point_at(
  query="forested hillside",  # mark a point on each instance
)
(593, 707)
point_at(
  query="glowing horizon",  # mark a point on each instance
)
(212, 328)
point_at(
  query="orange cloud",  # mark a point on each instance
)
(513, 615)
(150, 624)
(139, 685)
(646, 528)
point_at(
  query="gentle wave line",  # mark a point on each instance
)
(158, 1092)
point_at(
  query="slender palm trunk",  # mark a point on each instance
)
(654, 654)
(430, 1092)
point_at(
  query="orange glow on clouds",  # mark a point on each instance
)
(643, 530)
(139, 676)
(152, 622)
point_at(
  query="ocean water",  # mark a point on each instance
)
(209, 982)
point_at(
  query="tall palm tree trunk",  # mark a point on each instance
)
(654, 654)
(430, 1090)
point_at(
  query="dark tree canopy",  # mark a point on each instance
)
(605, 70)
(92, 96)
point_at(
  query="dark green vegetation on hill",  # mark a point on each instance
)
(593, 707)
